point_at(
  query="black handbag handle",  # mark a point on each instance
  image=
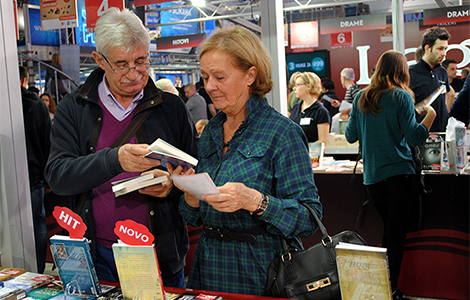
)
(325, 237)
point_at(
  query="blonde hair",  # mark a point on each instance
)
(166, 85)
(313, 81)
(247, 50)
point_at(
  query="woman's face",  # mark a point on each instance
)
(301, 88)
(228, 86)
(46, 100)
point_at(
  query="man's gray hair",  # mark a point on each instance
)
(120, 29)
(348, 73)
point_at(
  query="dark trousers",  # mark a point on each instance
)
(106, 269)
(393, 198)
(39, 223)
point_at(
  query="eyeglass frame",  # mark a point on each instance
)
(123, 67)
(299, 84)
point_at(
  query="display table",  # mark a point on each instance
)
(436, 258)
(225, 296)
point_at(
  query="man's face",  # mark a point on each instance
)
(127, 85)
(188, 92)
(436, 54)
(452, 70)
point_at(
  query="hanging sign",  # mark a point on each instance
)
(70, 221)
(303, 36)
(180, 41)
(445, 15)
(56, 14)
(341, 40)
(133, 233)
(338, 25)
(96, 8)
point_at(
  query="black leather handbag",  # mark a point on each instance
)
(310, 273)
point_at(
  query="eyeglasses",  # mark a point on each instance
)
(299, 84)
(123, 70)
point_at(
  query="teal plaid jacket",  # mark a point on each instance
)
(269, 153)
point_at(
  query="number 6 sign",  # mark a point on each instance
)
(96, 8)
(341, 40)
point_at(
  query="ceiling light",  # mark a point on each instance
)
(199, 3)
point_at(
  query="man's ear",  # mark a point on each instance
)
(24, 82)
(252, 72)
(99, 59)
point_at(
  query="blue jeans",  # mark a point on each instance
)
(106, 269)
(39, 223)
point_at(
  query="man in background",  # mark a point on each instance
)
(196, 104)
(37, 129)
(347, 78)
(451, 67)
(428, 75)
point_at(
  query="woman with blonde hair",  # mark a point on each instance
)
(310, 113)
(383, 120)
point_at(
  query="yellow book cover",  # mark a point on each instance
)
(363, 272)
(138, 271)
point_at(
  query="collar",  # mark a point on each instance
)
(427, 66)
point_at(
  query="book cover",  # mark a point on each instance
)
(28, 281)
(363, 272)
(75, 264)
(167, 153)
(138, 271)
(187, 296)
(431, 154)
(440, 137)
(197, 184)
(9, 273)
(46, 292)
(126, 186)
(316, 151)
(11, 293)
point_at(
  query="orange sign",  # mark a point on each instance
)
(70, 221)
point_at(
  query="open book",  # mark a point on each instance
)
(128, 185)
(419, 107)
(198, 184)
(165, 152)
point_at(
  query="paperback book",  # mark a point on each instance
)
(316, 151)
(419, 107)
(138, 271)
(75, 264)
(431, 153)
(28, 281)
(9, 273)
(197, 184)
(167, 153)
(126, 186)
(363, 272)
(11, 293)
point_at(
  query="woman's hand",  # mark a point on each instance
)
(160, 190)
(191, 199)
(234, 196)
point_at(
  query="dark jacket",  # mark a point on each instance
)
(332, 95)
(37, 129)
(461, 106)
(74, 168)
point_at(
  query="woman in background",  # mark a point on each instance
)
(50, 74)
(383, 120)
(310, 113)
(50, 103)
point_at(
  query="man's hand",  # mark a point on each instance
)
(132, 160)
(335, 103)
(160, 190)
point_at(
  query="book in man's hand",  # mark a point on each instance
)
(363, 272)
(76, 268)
(128, 185)
(419, 107)
(167, 153)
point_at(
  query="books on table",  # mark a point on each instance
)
(12, 293)
(75, 264)
(316, 151)
(128, 185)
(167, 153)
(363, 272)
(138, 271)
(28, 281)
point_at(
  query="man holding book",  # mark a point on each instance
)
(101, 134)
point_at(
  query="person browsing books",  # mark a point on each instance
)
(258, 159)
(309, 113)
(383, 120)
(101, 133)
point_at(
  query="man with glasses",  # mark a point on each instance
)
(101, 134)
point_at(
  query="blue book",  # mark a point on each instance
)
(75, 264)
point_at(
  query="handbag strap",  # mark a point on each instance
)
(321, 227)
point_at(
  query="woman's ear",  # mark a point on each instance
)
(252, 72)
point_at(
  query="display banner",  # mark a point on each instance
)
(181, 41)
(41, 37)
(339, 25)
(84, 38)
(56, 14)
(341, 40)
(176, 15)
(148, 2)
(303, 36)
(96, 8)
(446, 15)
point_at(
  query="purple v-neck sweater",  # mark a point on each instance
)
(107, 209)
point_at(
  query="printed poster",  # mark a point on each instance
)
(56, 14)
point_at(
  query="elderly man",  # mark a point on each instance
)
(100, 135)
(428, 74)
(196, 103)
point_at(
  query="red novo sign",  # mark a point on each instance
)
(133, 233)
